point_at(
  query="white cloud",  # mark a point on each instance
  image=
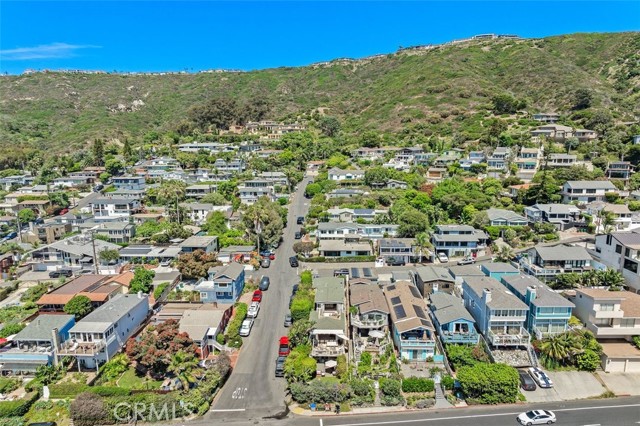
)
(43, 51)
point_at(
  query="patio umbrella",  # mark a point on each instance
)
(376, 334)
(331, 364)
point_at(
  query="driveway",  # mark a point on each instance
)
(36, 276)
(252, 390)
(568, 385)
(14, 297)
(621, 383)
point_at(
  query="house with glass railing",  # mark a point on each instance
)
(549, 312)
(453, 323)
(545, 263)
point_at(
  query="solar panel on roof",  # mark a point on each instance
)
(395, 300)
(355, 273)
(399, 310)
(419, 311)
(367, 272)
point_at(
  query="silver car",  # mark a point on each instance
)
(254, 308)
(245, 329)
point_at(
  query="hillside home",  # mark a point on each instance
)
(345, 248)
(554, 132)
(136, 194)
(586, 191)
(329, 333)
(412, 330)
(72, 181)
(106, 208)
(436, 174)
(251, 190)
(365, 153)
(499, 159)
(135, 253)
(370, 318)
(501, 317)
(346, 193)
(200, 190)
(502, 217)
(546, 117)
(545, 263)
(96, 338)
(619, 170)
(340, 175)
(609, 314)
(620, 214)
(77, 252)
(561, 160)
(621, 252)
(433, 279)
(458, 240)
(549, 312)
(48, 233)
(236, 165)
(198, 212)
(98, 288)
(454, 324)
(354, 215)
(203, 325)
(208, 244)
(224, 284)
(35, 345)
(563, 216)
(403, 249)
(129, 182)
(115, 231)
(339, 231)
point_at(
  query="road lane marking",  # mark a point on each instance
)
(481, 415)
(596, 424)
(321, 422)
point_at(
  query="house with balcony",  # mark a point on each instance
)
(346, 193)
(619, 170)
(115, 231)
(136, 194)
(623, 219)
(347, 247)
(458, 240)
(35, 345)
(563, 216)
(251, 190)
(561, 160)
(453, 323)
(236, 165)
(586, 191)
(403, 249)
(329, 334)
(107, 208)
(198, 212)
(499, 159)
(129, 182)
(369, 318)
(436, 174)
(433, 279)
(546, 262)
(498, 270)
(48, 233)
(549, 312)
(75, 252)
(96, 338)
(340, 231)
(501, 317)
(224, 284)
(585, 135)
(339, 175)
(502, 217)
(354, 215)
(621, 252)
(373, 154)
(200, 190)
(98, 288)
(555, 132)
(546, 117)
(206, 243)
(411, 329)
(609, 314)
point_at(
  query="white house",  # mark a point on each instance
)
(621, 251)
(586, 191)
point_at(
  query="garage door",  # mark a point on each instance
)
(623, 366)
(633, 366)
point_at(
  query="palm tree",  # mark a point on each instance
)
(557, 350)
(610, 278)
(504, 254)
(182, 365)
(423, 244)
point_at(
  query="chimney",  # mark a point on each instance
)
(139, 295)
(531, 294)
(486, 295)
(56, 345)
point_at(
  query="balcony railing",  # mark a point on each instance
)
(453, 337)
(367, 323)
(81, 348)
(507, 339)
(411, 342)
(331, 349)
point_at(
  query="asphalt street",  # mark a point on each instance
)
(252, 390)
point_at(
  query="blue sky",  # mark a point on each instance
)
(164, 35)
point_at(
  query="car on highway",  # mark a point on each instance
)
(280, 366)
(526, 382)
(297, 235)
(541, 378)
(283, 347)
(257, 295)
(395, 261)
(443, 258)
(293, 261)
(245, 328)
(466, 261)
(60, 273)
(300, 220)
(537, 417)
(254, 308)
(265, 282)
(288, 320)
(266, 262)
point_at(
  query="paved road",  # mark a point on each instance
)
(602, 412)
(252, 389)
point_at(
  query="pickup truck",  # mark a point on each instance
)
(467, 261)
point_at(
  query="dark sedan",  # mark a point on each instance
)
(526, 381)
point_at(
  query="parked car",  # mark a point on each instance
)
(287, 320)
(63, 212)
(98, 188)
(280, 366)
(268, 254)
(254, 308)
(443, 258)
(266, 262)
(11, 235)
(294, 289)
(300, 220)
(467, 261)
(526, 382)
(245, 328)
(165, 263)
(257, 295)
(540, 377)
(537, 417)
(283, 348)
(393, 261)
(293, 261)
(340, 272)
(297, 235)
(291, 300)
(61, 273)
(39, 221)
(264, 283)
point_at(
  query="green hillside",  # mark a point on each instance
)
(446, 89)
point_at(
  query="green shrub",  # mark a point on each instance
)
(447, 382)
(588, 360)
(157, 292)
(109, 391)
(417, 384)
(320, 391)
(306, 278)
(490, 383)
(8, 384)
(18, 408)
(233, 329)
(67, 390)
(390, 387)
(301, 306)
(33, 385)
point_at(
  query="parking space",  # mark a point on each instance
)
(621, 383)
(35, 276)
(567, 385)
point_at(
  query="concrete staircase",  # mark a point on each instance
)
(441, 401)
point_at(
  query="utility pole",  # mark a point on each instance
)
(93, 246)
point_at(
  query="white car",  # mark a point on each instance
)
(467, 261)
(537, 417)
(443, 258)
(245, 329)
(254, 308)
(541, 377)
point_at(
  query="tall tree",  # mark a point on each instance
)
(79, 306)
(142, 280)
(98, 152)
(182, 365)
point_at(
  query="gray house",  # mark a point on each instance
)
(430, 279)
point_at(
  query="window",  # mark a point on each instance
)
(618, 248)
(203, 295)
(627, 322)
(630, 265)
(627, 252)
(607, 307)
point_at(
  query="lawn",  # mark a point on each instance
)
(131, 380)
(48, 411)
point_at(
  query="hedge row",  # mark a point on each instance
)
(19, 407)
(417, 384)
(71, 390)
(233, 329)
(320, 259)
